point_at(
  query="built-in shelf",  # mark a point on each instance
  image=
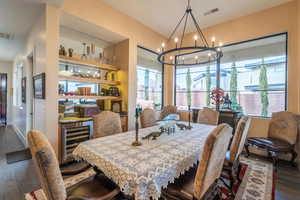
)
(87, 80)
(89, 97)
(88, 63)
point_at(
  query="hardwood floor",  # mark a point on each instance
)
(19, 178)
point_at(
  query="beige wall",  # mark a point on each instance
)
(42, 43)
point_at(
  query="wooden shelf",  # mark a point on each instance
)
(88, 63)
(87, 80)
(90, 97)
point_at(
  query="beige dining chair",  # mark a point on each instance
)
(202, 183)
(208, 116)
(106, 123)
(237, 145)
(97, 187)
(148, 118)
(167, 110)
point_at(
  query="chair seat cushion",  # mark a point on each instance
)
(95, 187)
(271, 144)
(183, 187)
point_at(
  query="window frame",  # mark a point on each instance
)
(163, 74)
(242, 42)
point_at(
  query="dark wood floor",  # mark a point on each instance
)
(19, 178)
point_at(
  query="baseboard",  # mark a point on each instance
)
(20, 135)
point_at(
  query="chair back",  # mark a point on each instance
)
(208, 116)
(284, 126)
(239, 138)
(148, 118)
(106, 123)
(167, 110)
(47, 166)
(212, 159)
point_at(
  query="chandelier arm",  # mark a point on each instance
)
(199, 31)
(174, 31)
(183, 33)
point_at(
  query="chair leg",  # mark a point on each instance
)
(294, 156)
(274, 157)
(247, 150)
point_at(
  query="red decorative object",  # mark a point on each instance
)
(217, 96)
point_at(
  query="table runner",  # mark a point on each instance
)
(142, 171)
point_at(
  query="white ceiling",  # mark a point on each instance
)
(16, 18)
(91, 30)
(163, 15)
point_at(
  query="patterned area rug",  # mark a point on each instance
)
(258, 181)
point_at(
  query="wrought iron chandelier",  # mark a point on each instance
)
(200, 53)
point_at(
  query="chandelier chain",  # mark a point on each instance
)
(174, 31)
(199, 30)
(183, 33)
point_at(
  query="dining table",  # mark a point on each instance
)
(142, 171)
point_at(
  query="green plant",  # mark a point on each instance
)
(233, 88)
(208, 85)
(189, 87)
(263, 86)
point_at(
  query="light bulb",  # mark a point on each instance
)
(218, 49)
(220, 44)
(196, 57)
(213, 39)
(163, 45)
(209, 54)
(176, 40)
(158, 50)
(171, 57)
(195, 37)
(182, 58)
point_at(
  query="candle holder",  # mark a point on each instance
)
(189, 127)
(137, 142)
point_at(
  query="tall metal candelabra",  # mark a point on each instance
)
(189, 126)
(137, 142)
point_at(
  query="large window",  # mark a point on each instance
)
(252, 73)
(149, 80)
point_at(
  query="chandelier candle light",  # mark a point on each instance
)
(202, 51)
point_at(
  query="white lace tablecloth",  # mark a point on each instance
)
(142, 171)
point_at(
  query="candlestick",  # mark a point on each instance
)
(136, 142)
(189, 126)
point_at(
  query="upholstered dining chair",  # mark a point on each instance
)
(208, 116)
(282, 137)
(167, 110)
(106, 123)
(97, 187)
(148, 118)
(231, 163)
(202, 183)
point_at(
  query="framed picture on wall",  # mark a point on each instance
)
(39, 86)
(23, 84)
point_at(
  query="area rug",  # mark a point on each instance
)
(17, 156)
(258, 181)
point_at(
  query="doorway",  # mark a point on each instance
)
(3, 99)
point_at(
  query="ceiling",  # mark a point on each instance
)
(16, 18)
(163, 16)
(96, 32)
